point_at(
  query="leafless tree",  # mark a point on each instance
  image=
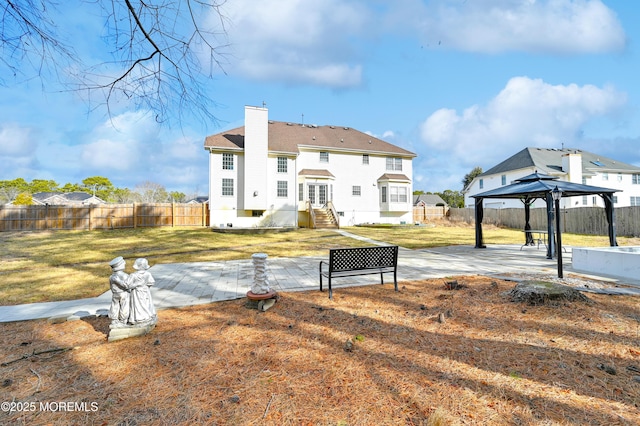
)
(151, 192)
(161, 51)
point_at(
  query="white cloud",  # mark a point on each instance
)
(493, 26)
(131, 149)
(125, 143)
(527, 112)
(296, 41)
(17, 151)
(16, 141)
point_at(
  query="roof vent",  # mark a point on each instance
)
(314, 138)
(332, 127)
(346, 128)
(341, 140)
(289, 124)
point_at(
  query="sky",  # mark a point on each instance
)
(461, 83)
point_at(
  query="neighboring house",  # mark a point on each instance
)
(199, 200)
(270, 173)
(571, 165)
(65, 198)
(429, 200)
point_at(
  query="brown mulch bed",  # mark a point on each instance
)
(431, 354)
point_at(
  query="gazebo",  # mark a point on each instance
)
(540, 185)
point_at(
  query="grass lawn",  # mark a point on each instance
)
(65, 265)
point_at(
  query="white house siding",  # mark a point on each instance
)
(256, 191)
(620, 181)
(281, 210)
(495, 181)
(348, 172)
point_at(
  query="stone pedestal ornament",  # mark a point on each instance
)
(260, 279)
(132, 312)
(260, 296)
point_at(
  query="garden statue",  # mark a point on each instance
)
(132, 312)
(119, 311)
(141, 305)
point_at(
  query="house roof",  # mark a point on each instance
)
(429, 199)
(290, 137)
(199, 199)
(315, 172)
(549, 161)
(538, 185)
(394, 176)
(71, 197)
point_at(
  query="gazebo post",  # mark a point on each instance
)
(479, 216)
(611, 218)
(551, 237)
(528, 237)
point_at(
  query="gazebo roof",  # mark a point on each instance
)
(538, 185)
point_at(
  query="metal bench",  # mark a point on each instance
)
(347, 262)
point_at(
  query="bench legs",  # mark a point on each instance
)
(395, 279)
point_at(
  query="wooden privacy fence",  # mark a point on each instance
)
(580, 220)
(102, 216)
(423, 214)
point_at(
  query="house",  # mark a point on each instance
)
(427, 207)
(200, 199)
(271, 173)
(568, 164)
(65, 198)
(429, 200)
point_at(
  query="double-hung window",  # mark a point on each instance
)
(394, 164)
(282, 188)
(282, 164)
(227, 187)
(227, 161)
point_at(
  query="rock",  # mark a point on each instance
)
(607, 369)
(348, 345)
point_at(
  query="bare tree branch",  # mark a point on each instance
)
(162, 52)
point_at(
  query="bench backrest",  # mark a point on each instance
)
(363, 258)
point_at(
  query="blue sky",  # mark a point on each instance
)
(462, 83)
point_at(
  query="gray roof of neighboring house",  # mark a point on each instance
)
(290, 137)
(199, 199)
(77, 196)
(549, 161)
(538, 185)
(429, 199)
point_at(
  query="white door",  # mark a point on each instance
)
(318, 194)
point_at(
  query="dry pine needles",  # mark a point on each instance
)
(493, 361)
